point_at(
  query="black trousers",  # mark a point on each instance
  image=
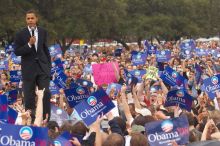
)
(41, 80)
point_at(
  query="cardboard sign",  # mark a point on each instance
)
(105, 73)
(23, 135)
(179, 97)
(211, 85)
(152, 73)
(97, 103)
(15, 76)
(162, 133)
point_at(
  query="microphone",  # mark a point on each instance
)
(32, 31)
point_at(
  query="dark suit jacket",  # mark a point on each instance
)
(29, 55)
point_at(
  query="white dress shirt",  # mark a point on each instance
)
(36, 36)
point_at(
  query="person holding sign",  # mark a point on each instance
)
(31, 45)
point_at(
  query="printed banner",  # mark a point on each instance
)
(75, 95)
(172, 77)
(152, 49)
(211, 85)
(138, 74)
(162, 133)
(3, 108)
(105, 73)
(53, 88)
(139, 58)
(23, 135)
(55, 51)
(58, 115)
(96, 104)
(57, 66)
(179, 97)
(152, 73)
(83, 83)
(12, 115)
(15, 76)
(12, 96)
(163, 55)
(63, 139)
(4, 64)
(60, 80)
(15, 59)
(113, 87)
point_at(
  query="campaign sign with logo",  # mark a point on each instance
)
(162, 133)
(179, 97)
(12, 115)
(138, 74)
(139, 58)
(12, 135)
(58, 115)
(163, 55)
(211, 85)
(118, 52)
(60, 80)
(3, 108)
(201, 52)
(53, 88)
(87, 69)
(12, 96)
(9, 48)
(15, 76)
(96, 104)
(57, 66)
(152, 49)
(75, 95)
(55, 51)
(152, 73)
(186, 53)
(190, 44)
(4, 64)
(115, 87)
(199, 72)
(130, 80)
(63, 139)
(15, 59)
(84, 83)
(172, 77)
(105, 73)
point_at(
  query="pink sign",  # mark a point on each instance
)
(105, 73)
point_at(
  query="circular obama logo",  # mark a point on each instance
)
(92, 101)
(214, 80)
(163, 52)
(167, 126)
(80, 90)
(84, 83)
(180, 93)
(138, 56)
(174, 74)
(19, 73)
(26, 133)
(137, 73)
(57, 143)
(52, 48)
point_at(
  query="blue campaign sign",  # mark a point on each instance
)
(162, 133)
(88, 69)
(118, 52)
(146, 45)
(58, 115)
(53, 88)
(96, 104)
(23, 135)
(201, 52)
(57, 66)
(12, 96)
(152, 49)
(211, 85)
(12, 115)
(4, 64)
(76, 95)
(63, 139)
(139, 58)
(55, 51)
(9, 48)
(163, 55)
(114, 86)
(3, 108)
(179, 97)
(186, 53)
(60, 80)
(172, 77)
(15, 76)
(138, 74)
(84, 83)
(189, 44)
(15, 59)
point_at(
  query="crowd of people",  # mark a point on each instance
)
(143, 104)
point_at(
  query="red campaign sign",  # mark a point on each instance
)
(105, 73)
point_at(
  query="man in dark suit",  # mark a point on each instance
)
(31, 45)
